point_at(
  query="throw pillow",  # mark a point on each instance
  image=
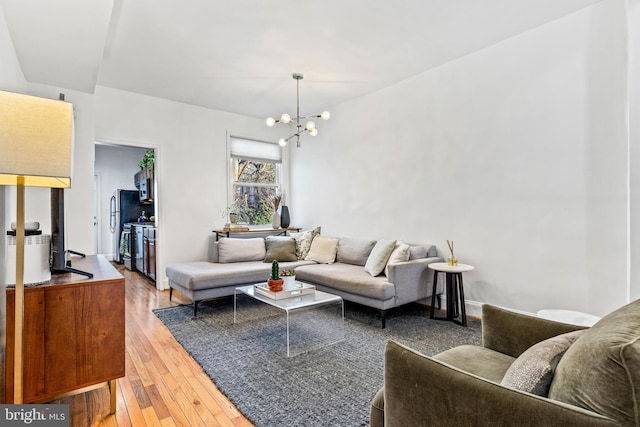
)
(239, 250)
(601, 371)
(533, 371)
(400, 254)
(280, 248)
(417, 252)
(379, 257)
(303, 241)
(323, 250)
(354, 251)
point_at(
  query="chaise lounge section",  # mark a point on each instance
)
(380, 274)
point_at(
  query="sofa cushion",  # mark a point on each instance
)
(379, 256)
(323, 250)
(533, 370)
(347, 278)
(240, 250)
(303, 241)
(601, 371)
(354, 251)
(400, 254)
(280, 248)
(417, 252)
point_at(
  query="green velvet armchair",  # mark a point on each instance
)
(596, 381)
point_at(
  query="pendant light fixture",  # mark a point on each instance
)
(310, 126)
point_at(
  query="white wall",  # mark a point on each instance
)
(191, 163)
(115, 167)
(634, 128)
(516, 152)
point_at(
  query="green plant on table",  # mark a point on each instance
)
(288, 273)
(275, 270)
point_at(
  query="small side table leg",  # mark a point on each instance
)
(433, 294)
(450, 301)
(462, 304)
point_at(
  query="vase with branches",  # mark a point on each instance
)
(275, 200)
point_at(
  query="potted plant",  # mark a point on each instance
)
(289, 277)
(275, 282)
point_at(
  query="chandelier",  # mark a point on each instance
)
(310, 126)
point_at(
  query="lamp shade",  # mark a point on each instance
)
(36, 141)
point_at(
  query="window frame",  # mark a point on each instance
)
(278, 163)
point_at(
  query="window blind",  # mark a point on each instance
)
(255, 150)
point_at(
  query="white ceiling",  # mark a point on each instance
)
(239, 55)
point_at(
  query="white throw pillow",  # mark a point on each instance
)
(379, 257)
(323, 250)
(400, 254)
(239, 250)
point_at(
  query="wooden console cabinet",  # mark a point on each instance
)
(74, 333)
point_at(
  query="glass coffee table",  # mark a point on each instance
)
(311, 300)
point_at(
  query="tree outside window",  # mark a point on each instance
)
(254, 184)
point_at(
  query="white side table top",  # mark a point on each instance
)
(568, 316)
(445, 267)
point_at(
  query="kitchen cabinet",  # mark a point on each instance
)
(145, 249)
(149, 251)
(74, 333)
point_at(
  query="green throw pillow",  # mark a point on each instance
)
(280, 248)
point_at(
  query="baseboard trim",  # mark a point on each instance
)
(474, 308)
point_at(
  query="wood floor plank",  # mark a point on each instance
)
(163, 385)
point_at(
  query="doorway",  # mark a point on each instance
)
(116, 168)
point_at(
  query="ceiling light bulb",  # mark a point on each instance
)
(310, 125)
(313, 132)
(325, 115)
(271, 121)
(282, 142)
(285, 118)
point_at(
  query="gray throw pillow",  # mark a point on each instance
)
(533, 370)
(240, 250)
(354, 251)
(379, 256)
(280, 248)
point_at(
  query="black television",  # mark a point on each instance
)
(59, 263)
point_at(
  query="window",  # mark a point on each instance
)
(255, 175)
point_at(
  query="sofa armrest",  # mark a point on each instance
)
(420, 391)
(413, 279)
(512, 333)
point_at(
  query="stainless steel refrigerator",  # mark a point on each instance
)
(125, 207)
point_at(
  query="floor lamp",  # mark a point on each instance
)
(36, 142)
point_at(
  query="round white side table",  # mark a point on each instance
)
(568, 316)
(454, 290)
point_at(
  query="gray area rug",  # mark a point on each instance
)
(328, 385)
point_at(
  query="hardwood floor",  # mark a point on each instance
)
(163, 385)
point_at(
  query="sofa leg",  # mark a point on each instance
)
(383, 318)
(195, 308)
(170, 293)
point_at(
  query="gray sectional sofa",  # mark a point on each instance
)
(380, 274)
